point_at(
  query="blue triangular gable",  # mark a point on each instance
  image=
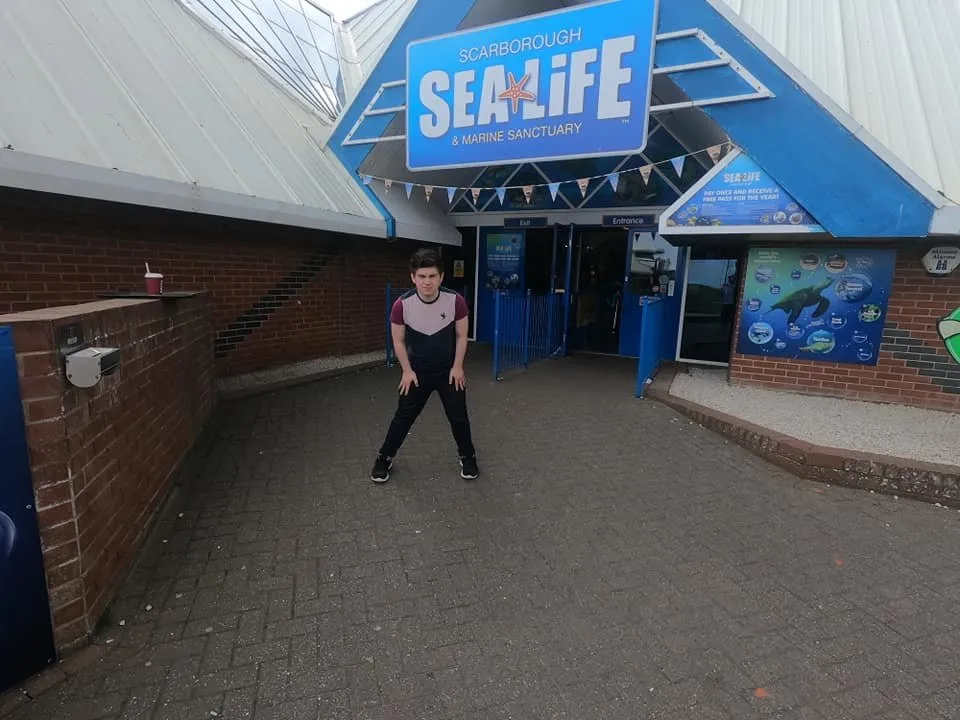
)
(737, 196)
(813, 156)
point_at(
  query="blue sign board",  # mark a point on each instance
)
(571, 83)
(737, 196)
(525, 222)
(823, 304)
(629, 220)
(505, 261)
(26, 633)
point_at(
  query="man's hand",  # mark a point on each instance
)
(457, 378)
(409, 378)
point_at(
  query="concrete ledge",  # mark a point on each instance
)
(265, 381)
(929, 482)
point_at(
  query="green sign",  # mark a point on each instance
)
(949, 329)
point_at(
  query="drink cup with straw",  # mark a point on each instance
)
(154, 281)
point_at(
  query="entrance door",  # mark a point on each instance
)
(709, 305)
(599, 259)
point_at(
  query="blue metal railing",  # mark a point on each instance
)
(527, 328)
(653, 344)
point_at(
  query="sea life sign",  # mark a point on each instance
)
(570, 83)
(822, 304)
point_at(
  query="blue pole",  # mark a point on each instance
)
(641, 373)
(526, 329)
(389, 347)
(550, 344)
(496, 335)
(567, 292)
(551, 347)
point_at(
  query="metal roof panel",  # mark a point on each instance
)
(890, 64)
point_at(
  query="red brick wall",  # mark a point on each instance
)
(914, 368)
(103, 458)
(278, 295)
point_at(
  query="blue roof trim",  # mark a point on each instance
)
(427, 19)
(842, 182)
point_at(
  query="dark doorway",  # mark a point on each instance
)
(709, 305)
(538, 260)
(599, 263)
(460, 268)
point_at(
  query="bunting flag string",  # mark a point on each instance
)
(714, 152)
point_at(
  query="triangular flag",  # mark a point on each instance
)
(367, 179)
(714, 152)
(501, 193)
(450, 193)
(678, 164)
(614, 179)
(409, 189)
(554, 188)
(388, 184)
(528, 193)
(645, 172)
(428, 190)
(583, 184)
(476, 194)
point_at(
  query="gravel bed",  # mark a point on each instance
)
(899, 431)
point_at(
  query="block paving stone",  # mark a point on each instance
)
(613, 561)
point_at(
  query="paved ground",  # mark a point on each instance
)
(614, 561)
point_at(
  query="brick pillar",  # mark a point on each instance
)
(103, 459)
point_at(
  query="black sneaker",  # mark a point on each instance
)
(469, 469)
(381, 469)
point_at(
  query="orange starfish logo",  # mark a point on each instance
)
(515, 93)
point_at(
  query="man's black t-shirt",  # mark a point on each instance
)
(431, 336)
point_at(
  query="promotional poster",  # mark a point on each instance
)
(816, 303)
(740, 196)
(505, 261)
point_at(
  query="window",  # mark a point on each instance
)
(293, 39)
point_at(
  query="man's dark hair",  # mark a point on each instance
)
(426, 258)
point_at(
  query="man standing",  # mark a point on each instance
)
(429, 328)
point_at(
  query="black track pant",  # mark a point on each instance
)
(411, 405)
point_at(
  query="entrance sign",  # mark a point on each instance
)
(629, 220)
(565, 84)
(941, 260)
(821, 304)
(735, 197)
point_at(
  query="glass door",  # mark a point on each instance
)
(709, 305)
(597, 290)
